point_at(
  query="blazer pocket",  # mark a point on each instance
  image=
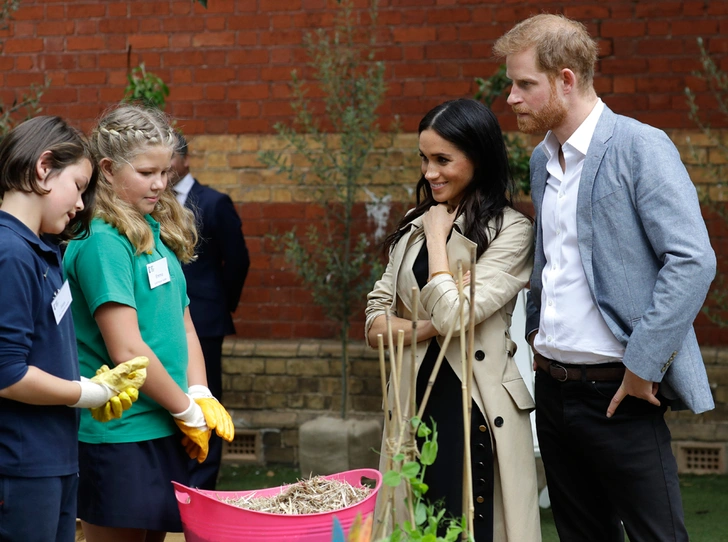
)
(519, 393)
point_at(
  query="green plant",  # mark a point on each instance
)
(426, 519)
(716, 81)
(335, 140)
(519, 153)
(145, 87)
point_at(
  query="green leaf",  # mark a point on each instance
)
(398, 457)
(392, 478)
(428, 453)
(410, 469)
(420, 513)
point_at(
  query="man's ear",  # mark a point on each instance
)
(568, 80)
(43, 166)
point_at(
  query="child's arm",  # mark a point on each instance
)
(120, 329)
(196, 361)
(216, 416)
(40, 388)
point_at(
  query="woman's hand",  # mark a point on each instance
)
(438, 222)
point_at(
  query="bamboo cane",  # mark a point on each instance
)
(382, 521)
(383, 377)
(413, 349)
(393, 371)
(466, 399)
(471, 361)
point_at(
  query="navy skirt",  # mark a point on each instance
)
(129, 485)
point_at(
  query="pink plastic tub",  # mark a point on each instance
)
(205, 518)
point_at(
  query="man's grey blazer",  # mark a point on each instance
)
(645, 252)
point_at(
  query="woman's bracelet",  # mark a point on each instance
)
(440, 273)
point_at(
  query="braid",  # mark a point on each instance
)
(121, 135)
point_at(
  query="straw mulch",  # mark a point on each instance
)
(312, 496)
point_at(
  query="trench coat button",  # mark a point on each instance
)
(479, 355)
(483, 428)
(482, 481)
(479, 517)
(481, 465)
(481, 446)
(498, 422)
(480, 500)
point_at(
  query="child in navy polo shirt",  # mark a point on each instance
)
(47, 186)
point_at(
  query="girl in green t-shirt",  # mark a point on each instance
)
(130, 300)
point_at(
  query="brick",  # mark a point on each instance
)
(582, 13)
(148, 41)
(85, 44)
(249, 22)
(694, 28)
(150, 26)
(85, 11)
(280, 5)
(446, 51)
(28, 13)
(216, 75)
(414, 34)
(137, 9)
(23, 45)
(281, 37)
(87, 78)
(657, 9)
(448, 16)
(621, 29)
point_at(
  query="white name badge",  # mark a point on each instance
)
(158, 273)
(61, 302)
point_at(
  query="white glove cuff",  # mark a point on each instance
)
(198, 391)
(93, 395)
(193, 416)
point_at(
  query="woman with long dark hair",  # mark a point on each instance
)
(464, 201)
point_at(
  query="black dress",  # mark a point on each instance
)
(444, 406)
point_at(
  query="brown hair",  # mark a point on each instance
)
(559, 43)
(23, 146)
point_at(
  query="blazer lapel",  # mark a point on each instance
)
(594, 156)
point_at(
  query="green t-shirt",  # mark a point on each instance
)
(104, 268)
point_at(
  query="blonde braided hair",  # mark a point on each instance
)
(122, 134)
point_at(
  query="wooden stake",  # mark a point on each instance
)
(394, 372)
(413, 348)
(466, 400)
(471, 361)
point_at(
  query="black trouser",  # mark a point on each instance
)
(204, 475)
(600, 470)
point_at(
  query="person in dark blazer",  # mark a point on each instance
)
(622, 265)
(214, 283)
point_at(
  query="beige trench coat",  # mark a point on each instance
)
(498, 390)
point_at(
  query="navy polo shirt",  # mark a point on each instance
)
(35, 440)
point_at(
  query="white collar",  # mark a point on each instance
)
(582, 136)
(183, 187)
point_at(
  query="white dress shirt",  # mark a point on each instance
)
(183, 187)
(571, 329)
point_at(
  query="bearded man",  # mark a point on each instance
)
(622, 266)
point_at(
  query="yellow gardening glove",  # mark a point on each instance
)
(115, 407)
(125, 379)
(197, 433)
(131, 373)
(216, 416)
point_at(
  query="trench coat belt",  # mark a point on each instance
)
(564, 373)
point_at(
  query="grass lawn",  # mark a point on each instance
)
(705, 498)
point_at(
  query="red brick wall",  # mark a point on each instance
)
(229, 66)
